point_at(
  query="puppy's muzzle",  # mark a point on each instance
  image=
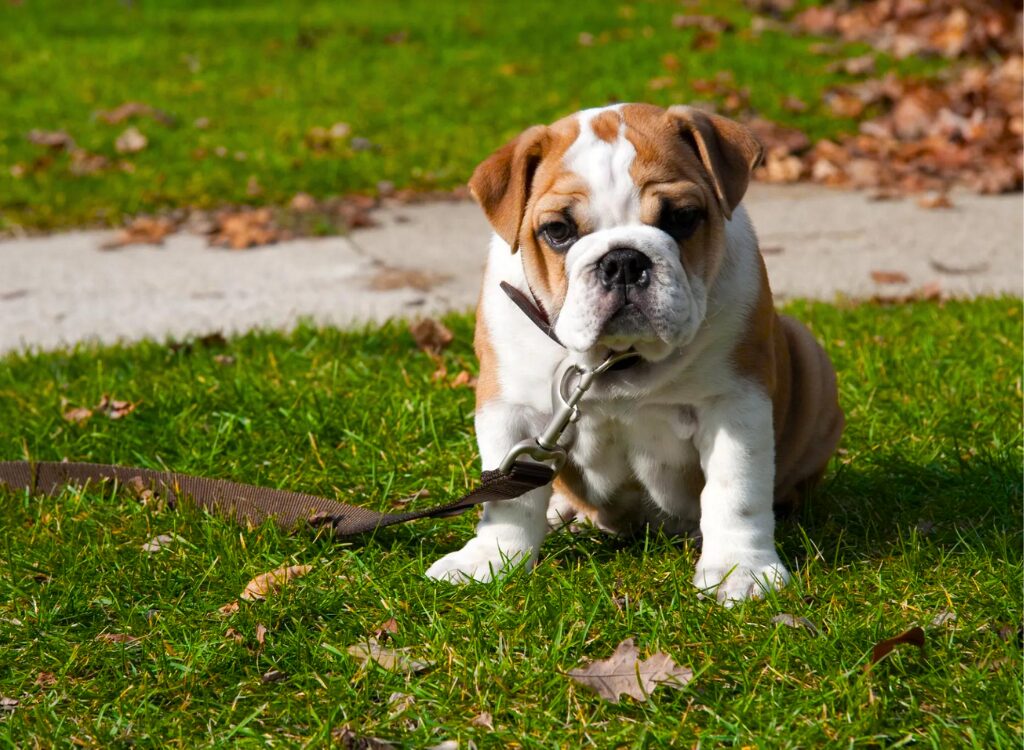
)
(623, 268)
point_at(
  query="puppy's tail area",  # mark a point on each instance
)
(813, 422)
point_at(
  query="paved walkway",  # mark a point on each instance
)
(818, 243)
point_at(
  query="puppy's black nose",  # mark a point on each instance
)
(624, 266)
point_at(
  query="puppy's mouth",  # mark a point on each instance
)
(627, 362)
(626, 327)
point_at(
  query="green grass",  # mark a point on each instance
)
(434, 85)
(921, 513)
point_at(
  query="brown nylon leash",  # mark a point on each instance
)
(252, 505)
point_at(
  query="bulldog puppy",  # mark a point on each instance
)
(624, 225)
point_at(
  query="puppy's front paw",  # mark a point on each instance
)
(480, 560)
(740, 580)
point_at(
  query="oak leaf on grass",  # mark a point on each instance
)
(625, 674)
(265, 584)
(391, 659)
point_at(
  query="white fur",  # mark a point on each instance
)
(640, 428)
(614, 198)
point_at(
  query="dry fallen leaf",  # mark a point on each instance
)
(889, 277)
(793, 621)
(55, 139)
(844, 104)
(229, 609)
(781, 167)
(143, 230)
(855, 66)
(261, 633)
(431, 336)
(937, 200)
(929, 292)
(793, 104)
(399, 702)
(273, 675)
(464, 380)
(914, 636)
(45, 680)
(709, 24)
(245, 228)
(129, 110)
(387, 629)
(130, 141)
(157, 543)
(7, 705)
(346, 739)
(942, 617)
(77, 415)
(624, 674)
(391, 659)
(141, 490)
(115, 409)
(117, 638)
(389, 278)
(85, 163)
(234, 635)
(483, 719)
(270, 583)
(303, 203)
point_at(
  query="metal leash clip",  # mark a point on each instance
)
(564, 411)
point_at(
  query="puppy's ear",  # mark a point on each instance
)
(728, 151)
(501, 184)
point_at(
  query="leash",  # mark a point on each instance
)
(529, 464)
(252, 505)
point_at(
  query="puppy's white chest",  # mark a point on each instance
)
(620, 443)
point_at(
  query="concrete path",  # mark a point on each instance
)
(818, 243)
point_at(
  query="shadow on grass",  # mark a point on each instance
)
(866, 510)
(858, 512)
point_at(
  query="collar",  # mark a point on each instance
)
(533, 310)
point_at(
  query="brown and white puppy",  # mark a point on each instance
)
(625, 224)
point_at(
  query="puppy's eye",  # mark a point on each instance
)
(681, 223)
(559, 234)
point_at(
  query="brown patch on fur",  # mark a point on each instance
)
(501, 183)
(508, 189)
(783, 357)
(606, 125)
(728, 151)
(667, 170)
(552, 187)
(814, 423)
(487, 386)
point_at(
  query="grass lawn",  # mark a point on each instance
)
(920, 516)
(432, 87)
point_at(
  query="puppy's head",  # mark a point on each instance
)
(620, 216)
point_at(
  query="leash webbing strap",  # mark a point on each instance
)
(251, 505)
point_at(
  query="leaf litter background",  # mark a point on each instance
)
(959, 125)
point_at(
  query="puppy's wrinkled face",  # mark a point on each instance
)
(619, 213)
